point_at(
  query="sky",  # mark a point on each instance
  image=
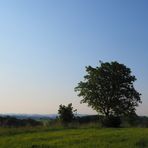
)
(46, 44)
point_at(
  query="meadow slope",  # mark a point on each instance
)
(73, 138)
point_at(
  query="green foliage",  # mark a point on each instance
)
(109, 89)
(66, 113)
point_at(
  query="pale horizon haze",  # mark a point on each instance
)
(46, 44)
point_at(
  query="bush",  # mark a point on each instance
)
(111, 121)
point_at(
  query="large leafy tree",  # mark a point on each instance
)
(109, 89)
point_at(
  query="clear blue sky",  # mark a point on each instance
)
(46, 44)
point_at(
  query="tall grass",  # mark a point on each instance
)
(87, 136)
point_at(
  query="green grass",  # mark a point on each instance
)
(73, 138)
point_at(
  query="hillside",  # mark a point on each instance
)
(74, 138)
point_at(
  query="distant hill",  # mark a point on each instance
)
(31, 116)
(36, 116)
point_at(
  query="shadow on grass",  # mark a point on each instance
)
(41, 146)
(142, 143)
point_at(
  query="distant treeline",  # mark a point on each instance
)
(87, 119)
(134, 121)
(14, 122)
(138, 121)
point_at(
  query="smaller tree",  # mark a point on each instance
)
(66, 113)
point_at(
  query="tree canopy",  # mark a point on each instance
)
(66, 113)
(109, 89)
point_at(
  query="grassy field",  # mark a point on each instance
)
(73, 138)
